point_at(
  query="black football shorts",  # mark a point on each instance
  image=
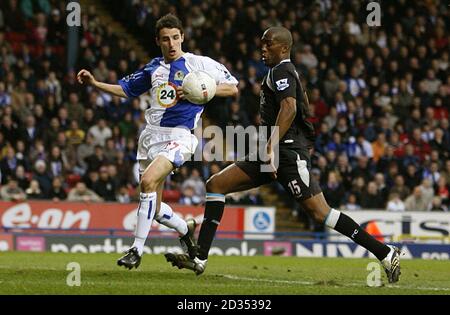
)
(292, 173)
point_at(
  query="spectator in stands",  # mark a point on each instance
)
(379, 147)
(123, 195)
(371, 198)
(352, 203)
(363, 168)
(195, 181)
(333, 190)
(29, 133)
(75, 109)
(110, 151)
(127, 126)
(96, 160)
(436, 204)
(2, 20)
(189, 197)
(5, 97)
(84, 150)
(431, 173)
(412, 176)
(29, 7)
(9, 129)
(105, 186)
(416, 201)
(33, 191)
(237, 117)
(427, 190)
(11, 191)
(81, 193)
(382, 188)
(42, 176)
(57, 192)
(58, 163)
(363, 147)
(51, 132)
(14, 18)
(9, 163)
(395, 203)
(355, 83)
(308, 58)
(442, 190)
(21, 177)
(400, 188)
(89, 119)
(100, 132)
(56, 29)
(431, 82)
(75, 135)
(440, 143)
(22, 155)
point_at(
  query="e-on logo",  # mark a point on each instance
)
(261, 220)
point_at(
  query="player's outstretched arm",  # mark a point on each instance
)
(286, 115)
(226, 90)
(85, 77)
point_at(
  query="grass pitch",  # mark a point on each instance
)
(46, 273)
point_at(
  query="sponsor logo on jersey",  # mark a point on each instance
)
(167, 94)
(282, 84)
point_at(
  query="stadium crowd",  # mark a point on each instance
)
(379, 98)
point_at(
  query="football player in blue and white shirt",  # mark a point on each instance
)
(166, 142)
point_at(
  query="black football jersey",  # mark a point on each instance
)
(283, 81)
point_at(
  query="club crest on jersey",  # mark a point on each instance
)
(179, 76)
(282, 84)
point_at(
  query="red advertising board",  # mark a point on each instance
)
(88, 216)
(6, 242)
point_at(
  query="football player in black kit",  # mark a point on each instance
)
(283, 104)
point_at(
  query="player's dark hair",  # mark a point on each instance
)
(168, 21)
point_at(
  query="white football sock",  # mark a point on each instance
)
(170, 219)
(145, 216)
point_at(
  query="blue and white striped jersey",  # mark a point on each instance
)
(161, 79)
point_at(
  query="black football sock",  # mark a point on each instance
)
(215, 204)
(347, 226)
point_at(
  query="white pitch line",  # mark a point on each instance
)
(350, 284)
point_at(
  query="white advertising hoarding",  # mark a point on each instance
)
(259, 220)
(425, 224)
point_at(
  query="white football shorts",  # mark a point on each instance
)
(175, 144)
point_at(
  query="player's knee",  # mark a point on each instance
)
(319, 216)
(148, 184)
(316, 214)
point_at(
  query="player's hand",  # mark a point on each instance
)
(85, 77)
(180, 93)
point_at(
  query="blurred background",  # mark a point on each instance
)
(379, 99)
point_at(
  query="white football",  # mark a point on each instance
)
(199, 87)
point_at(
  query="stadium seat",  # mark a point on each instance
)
(72, 180)
(171, 195)
(15, 37)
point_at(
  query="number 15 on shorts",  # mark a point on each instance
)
(295, 188)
